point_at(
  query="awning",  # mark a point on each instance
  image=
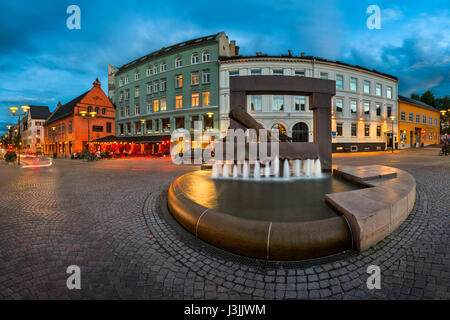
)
(135, 139)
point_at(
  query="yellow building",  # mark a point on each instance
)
(418, 123)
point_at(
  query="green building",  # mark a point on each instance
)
(170, 88)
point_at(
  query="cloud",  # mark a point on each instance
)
(391, 14)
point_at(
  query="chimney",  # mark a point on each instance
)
(97, 83)
(59, 104)
(236, 50)
(290, 53)
(302, 54)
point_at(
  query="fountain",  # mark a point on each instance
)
(291, 205)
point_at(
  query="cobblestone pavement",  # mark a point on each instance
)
(109, 218)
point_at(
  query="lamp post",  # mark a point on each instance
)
(142, 126)
(14, 113)
(92, 115)
(392, 141)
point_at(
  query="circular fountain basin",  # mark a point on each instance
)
(277, 220)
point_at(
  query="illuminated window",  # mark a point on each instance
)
(367, 130)
(179, 81)
(206, 57)
(179, 102)
(155, 105)
(339, 129)
(163, 106)
(205, 98)
(195, 100)
(194, 58)
(194, 78)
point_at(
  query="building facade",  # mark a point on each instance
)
(71, 126)
(32, 130)
(170, 88)
(364, 103)
(419, 123)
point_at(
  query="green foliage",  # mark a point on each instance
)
(10, 156)
(84, 154)
(16, 140)
(439, 103)
(428, 98)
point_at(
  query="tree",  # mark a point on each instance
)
(428, 98)
(415, 96)
(16, 140)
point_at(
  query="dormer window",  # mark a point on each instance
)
(194, 58)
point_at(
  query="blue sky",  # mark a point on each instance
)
(42, 62)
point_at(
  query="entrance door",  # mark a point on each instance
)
(300, 132)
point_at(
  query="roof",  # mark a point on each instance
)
(416, 103)
(65, 110)
(39, 112)
(172, 48)
(136, 139)
(310, 58)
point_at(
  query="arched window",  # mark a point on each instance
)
(103, 111)
(194, 58)
(97, 110)
(89, 109)
(178, 62)
(205, 56)
(281, 128)
(300, 132)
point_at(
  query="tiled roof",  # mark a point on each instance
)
(310, 58)
(65, 110)
(170, 49)
(416, 102)
(39, 112)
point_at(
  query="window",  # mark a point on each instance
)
(121, 112)
(163, 66)
(149, 125)
(162, 103)
(205, 98)
(179, 102)
(255, 72)
(389, 111)
(70, 127)
(156, 125)
(195, 99)
(206, 76)
(277, 72)
(149, 88)
(166, 124)
(194, 78)
(121, 96)
(435, 121)
(255, 103)
(424, 119)
(353, 106)
(403, 115)
(389, 92)
(194, 58)
(178, 62)
(128, 128)
(353, 84)
(367, 130)
(366, 87)
(136, 92)
(137, 76)
(179, 81)
(155, 86)
(155, 69)
(339, 129)
(127, 79)
(378, 131)
(97, 128)
(300, 103)
(366, 106)
(233, 73)
(205, 56)
(300, 73)
(108, 127)
(339, 105)
(418, 118)
(103, 111)
(127, 94)
(378, 107)
(354, 129)
(120, 82)
(89, 109)
(149, 71)
(155, 105)
(97, 110)
(162, 84)
(278, 103)
(411, 117)
(430, 121)
(378, 89)
(339, 81)
(149, 106)
(137, 109)
(324, 75)
(137, 127)
(63, 128)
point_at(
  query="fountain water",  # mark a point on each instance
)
(276, 166)
(245, 170)
(317, 168)
(225, 172)
(235, 171)
(307, 166)
(215, 171)
(286, 169)
(297, 167)
(267, 170)
(257, 170)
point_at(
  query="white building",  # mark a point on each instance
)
(32, 130)
(364, 101)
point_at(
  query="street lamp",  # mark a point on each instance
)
(14, 113)
(392, 141)
(142, 126)
(91, 114)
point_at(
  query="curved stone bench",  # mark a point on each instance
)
(376, 211)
